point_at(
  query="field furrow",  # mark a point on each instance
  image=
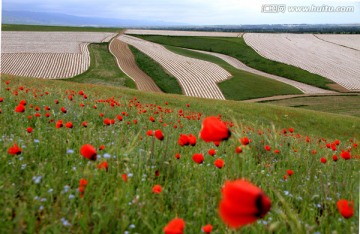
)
(182, 33)
(329, 60)
(305, 88)
(126, 62)
(198, 78)
(346, 40)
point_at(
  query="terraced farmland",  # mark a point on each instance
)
(332, 61)
(198, 78)
(48, 54)
(182, 33)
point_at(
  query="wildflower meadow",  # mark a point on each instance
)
(80, 158)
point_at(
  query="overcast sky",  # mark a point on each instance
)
(195, 12)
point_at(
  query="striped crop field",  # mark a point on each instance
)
(182, 33)
(198, 78)
(47, 54)
(351, 41)
(305, 88)
(306, 51)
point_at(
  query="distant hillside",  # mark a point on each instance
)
(42, 18)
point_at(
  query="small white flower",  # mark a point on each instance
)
(130, 175)
(71, 196)
(70, 151)
(132, 226)
(36, 179)
(36, 141)
(107, 155)
(50, 190)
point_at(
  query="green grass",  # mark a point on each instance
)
(165, 81)
(305, 202)
(237, 48)
(22, 27)
(103, 69)
(346, 105)
(243, 85)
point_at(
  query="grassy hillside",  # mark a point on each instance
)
(346, 105)
(103, 69)
(41, 189)
(243, 85)
(165, 81)
(21, 27)
(236, 47)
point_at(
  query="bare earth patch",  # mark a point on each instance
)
(198, 78)
(306, 51)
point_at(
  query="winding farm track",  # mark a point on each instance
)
(329, 60)
(182, 33)
(198, 78)
(48, 54)
(305, 88)
(126, 62)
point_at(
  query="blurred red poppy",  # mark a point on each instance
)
(159, 135)
(14, 150)
(198, 158)
(242, 203)
(175, 226)
(219, 163)
(213, 129)
(157, 189)
(346, 208)
(88, 151)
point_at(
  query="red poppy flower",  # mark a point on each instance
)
(290, 172)
(207, 228)
(59, 124)
(198, 158)
(1, 99)
(219, 163)
(285, 177)
(107, 121)
(152, 119)
(183, 140)
(157, 189)
(14, 150)
(177, 156)
(88, 151)
(244, 141)
(345, 155)
(84, 124)
(346, 208)
(83, 182)
(20, 108)
(69, 125)
(159, 135)
(22, 102)
(238, 150)
(29, 129)
(335, 158)
(242, 203)
(56, 101)
(124, 177)
(119, 117)
(175, 226)
(150, 132)
(157, 173)
(192, 139)
(211, 152)
(103, 165)
(63, 110)
(217, 143)
(323, 160)
(213, 129)
(101, 147)
(291, 130)
(276, 151)
(267, 148)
